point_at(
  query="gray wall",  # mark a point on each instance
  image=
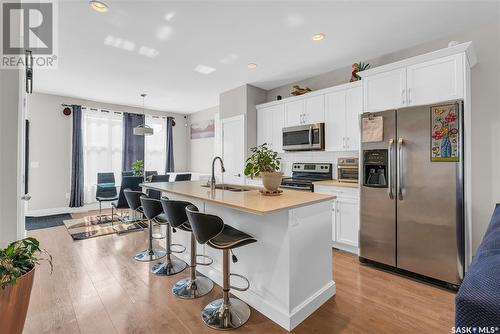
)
(50, 146)
(485, 113)
(233, 102)
(202, 150)
(10, 93)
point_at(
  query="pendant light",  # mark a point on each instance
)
(143, 129)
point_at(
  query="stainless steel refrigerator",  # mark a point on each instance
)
(411, 211)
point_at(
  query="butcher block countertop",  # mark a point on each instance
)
(249, 201)
(337, 183)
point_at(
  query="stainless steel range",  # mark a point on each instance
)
(304, 174)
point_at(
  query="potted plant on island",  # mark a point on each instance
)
(265, 163)
(17, 270)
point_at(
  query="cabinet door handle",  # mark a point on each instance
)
(403, 96)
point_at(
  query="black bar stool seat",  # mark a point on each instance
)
(230, 238)
(227, 312)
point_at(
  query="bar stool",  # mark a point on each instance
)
(227, 312)
(151, 209)
(171, 266)
(193, 286)
(133, 198)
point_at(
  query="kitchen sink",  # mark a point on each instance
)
(229, 187)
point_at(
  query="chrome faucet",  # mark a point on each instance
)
(212, 179)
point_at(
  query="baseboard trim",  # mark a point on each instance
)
(58, 211)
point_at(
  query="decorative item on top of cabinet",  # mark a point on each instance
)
(358, 67)
(297, 90)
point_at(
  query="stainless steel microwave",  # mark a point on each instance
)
(304, 137)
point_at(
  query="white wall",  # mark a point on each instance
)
(50, 147)
(485, 113)
(202, 150)
(11, 91)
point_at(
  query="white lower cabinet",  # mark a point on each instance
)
(345, 216)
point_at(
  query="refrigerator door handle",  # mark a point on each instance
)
(389, 168)
(400, 168)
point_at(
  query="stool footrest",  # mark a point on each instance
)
(243, 278)
(204, 263)
(177, 251)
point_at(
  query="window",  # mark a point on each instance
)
(102, 147)
(156, 145)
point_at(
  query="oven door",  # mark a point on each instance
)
(348, 173)
(304, 137)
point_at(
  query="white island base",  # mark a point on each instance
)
(290, 265)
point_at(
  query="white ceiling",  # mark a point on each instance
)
(227, 35)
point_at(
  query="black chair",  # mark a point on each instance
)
(151, 208)
(127, 173)
(105, 190)
(157, 178)
(149, 173)
(171, 266)
(133, 198)
(227, 312)
(128, 182)
(183, 177)
(193, 286)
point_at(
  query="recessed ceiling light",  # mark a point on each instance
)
(98, 6)
(204, 69)
(318, 37)
(252, 66)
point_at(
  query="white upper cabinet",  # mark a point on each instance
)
(264, 125)
(354, 107)
(335, 121)
(270, 122)
(436, 80)
(314, 111)
(294, 113)
(434, 77)
(385, 90)
(278, 123)
(307, 110)
(342, 110)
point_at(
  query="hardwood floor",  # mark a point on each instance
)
(97, 287)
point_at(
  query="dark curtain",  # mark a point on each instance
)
(133, 146)
(170, 145)
(76, 199)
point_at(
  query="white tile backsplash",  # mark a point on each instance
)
(288, 158)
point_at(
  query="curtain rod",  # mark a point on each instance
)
(71, 105)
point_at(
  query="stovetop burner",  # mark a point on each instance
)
(304, 174)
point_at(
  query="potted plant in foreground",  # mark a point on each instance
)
(265, 163)
(17, 270)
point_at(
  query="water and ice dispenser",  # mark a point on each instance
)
(375, 168)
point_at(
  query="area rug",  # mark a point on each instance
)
(36, 223)
(90, 227)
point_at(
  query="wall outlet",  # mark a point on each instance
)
(34, 164)
(68, 195)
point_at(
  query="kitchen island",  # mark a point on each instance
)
(290, 265)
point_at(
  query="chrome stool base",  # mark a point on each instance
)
(150, 255)
(219, 316)
(168, 269)
(190, 289)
